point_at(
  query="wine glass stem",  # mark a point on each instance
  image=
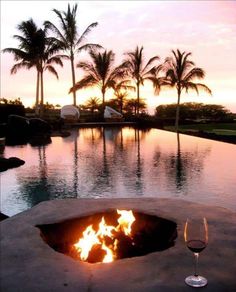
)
(196, 255)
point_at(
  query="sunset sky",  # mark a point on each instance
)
(205, 28)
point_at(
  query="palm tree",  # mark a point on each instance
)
(34, 50)
(99, 72)
(132, 105)
(140, 72)
(180, 73)
(68, 38)
(46, 59)
(93, 103)
(25, 55)
(121, 93)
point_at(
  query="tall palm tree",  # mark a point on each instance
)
(100, 72)
(180, 73)
(46, 60)
(140, 72)
(25, 55)
(68, 38)
(34, 50)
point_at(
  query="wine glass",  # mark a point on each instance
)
(196, 239)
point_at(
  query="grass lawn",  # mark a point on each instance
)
(228, 129)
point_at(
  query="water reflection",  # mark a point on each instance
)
(36, 189)
(118, 162)
(139, 184)
(181, 166)
(75, 168)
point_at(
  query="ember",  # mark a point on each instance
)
(108, 236)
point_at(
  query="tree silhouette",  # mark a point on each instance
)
(68, 38)
(35, 50)
(139, 72)
(132, 105)
(121, 93)
(180, 73)
(99, 72)
(93, 104)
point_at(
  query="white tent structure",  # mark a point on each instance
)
(70, 112)
(110, 113)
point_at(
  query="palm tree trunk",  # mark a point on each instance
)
(73, 76)
(177, 111)
(42, 95)
(103, 98)
(138, 97)
(37, 95)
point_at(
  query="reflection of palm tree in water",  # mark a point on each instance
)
(180, 167)
(42, 187)
(121, 140)
(75, 174)
(36, 188)
(105, 171)
(138, 184)
(190, 164)
(42, 163)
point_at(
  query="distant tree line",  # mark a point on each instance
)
(122, 104)
(10, 107)
(16, 101)
(194, 111)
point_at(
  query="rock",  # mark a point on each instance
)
(41, 140)
(21, 130)
(17, 130)
(3, 129)
(6, 163)
(38, 127)
(2, 144)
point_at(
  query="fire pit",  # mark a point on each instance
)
(30, 264)
(111, 235)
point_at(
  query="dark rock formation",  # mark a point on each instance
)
(2, 144)
(40, 132)
(10, 109)
(3, 216)
(40, 140)
(17, 130)
(6, 163)
(38, 127)
(20, 130)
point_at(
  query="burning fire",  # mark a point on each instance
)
(104, 238)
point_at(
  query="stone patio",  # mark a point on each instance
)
(29, 264)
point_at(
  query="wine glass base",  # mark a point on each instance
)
(196, 281)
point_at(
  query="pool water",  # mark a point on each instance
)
(117, 162)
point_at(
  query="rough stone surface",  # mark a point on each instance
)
(29, 264)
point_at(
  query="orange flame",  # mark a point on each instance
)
(92, 238)
(125, 221)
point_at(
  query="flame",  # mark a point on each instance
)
(125, 221)
(92, 238)
(85, 244)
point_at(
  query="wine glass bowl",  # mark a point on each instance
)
(196, 239)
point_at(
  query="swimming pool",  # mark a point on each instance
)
(117, 162)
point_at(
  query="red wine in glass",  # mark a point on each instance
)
(196, 239)
(196, 246)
